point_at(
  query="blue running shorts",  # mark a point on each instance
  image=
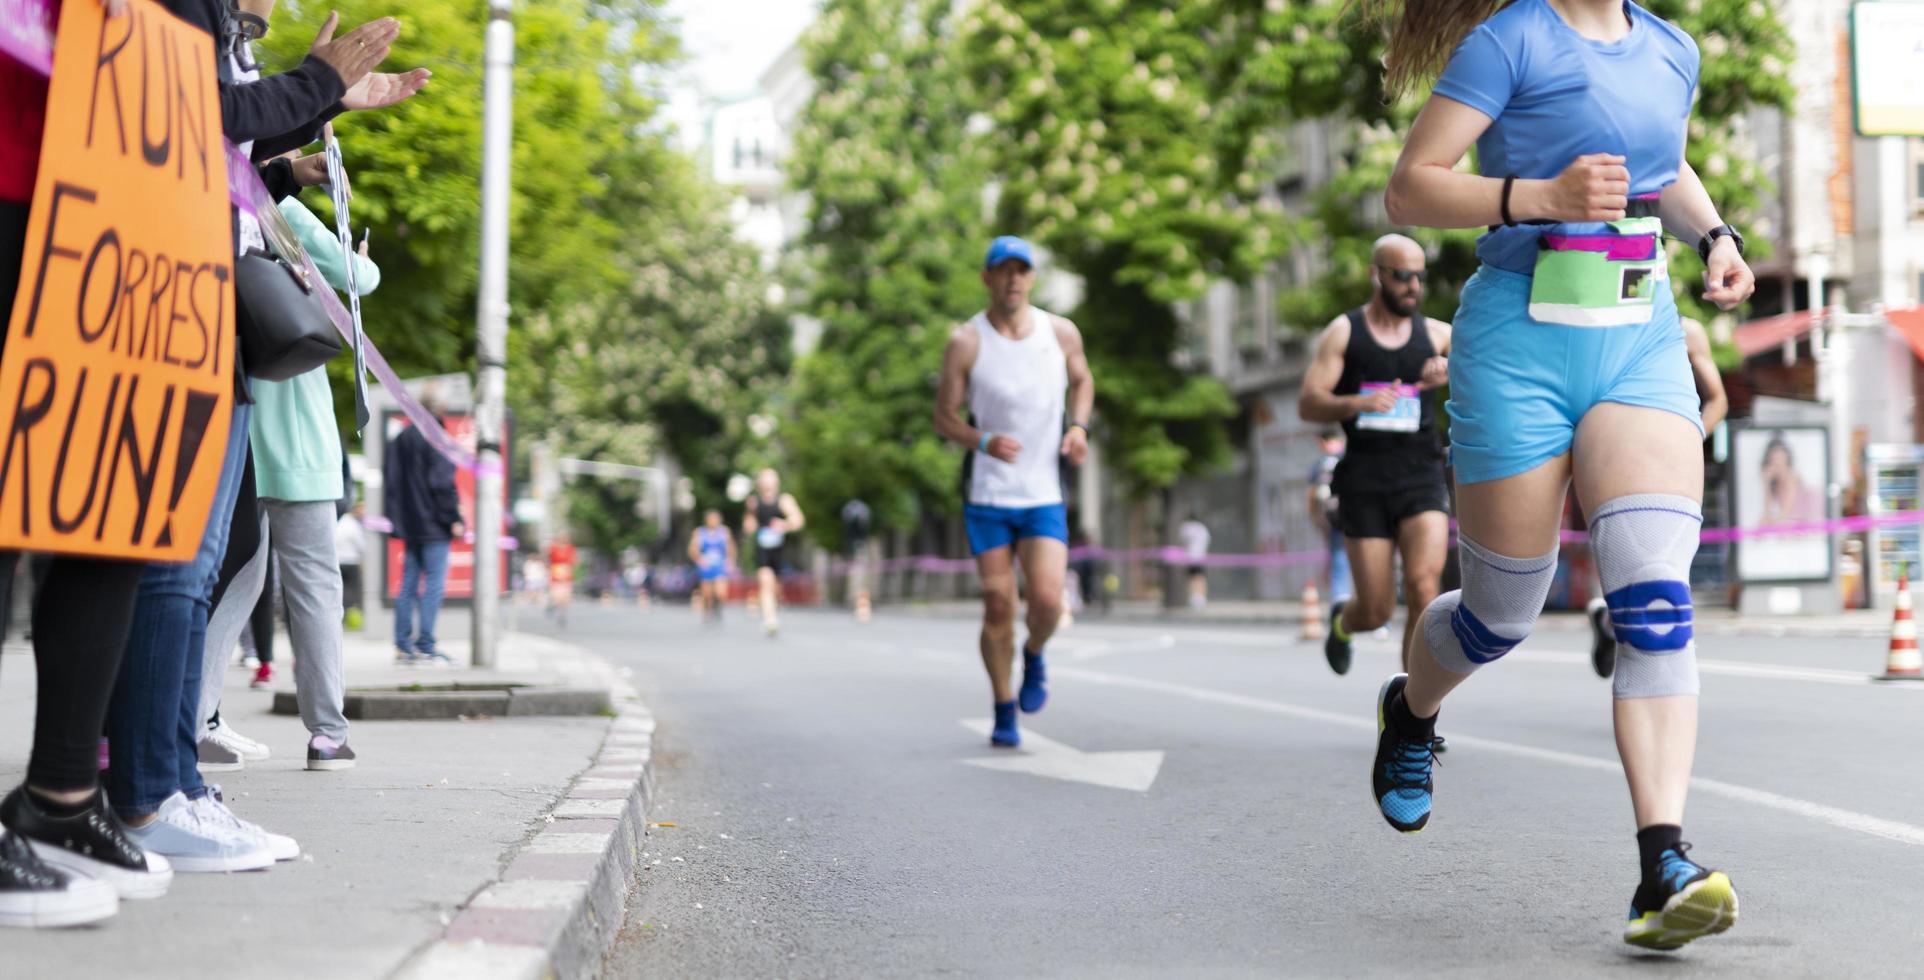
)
(1518, 387)
(997, 527)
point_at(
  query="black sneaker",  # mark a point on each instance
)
(322, 759)
(94, 844)
(1686, 901)
(1603, 643)
(34, 895)
(1400, 775)
(1335, 650)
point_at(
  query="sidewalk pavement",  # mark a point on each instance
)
(1862, 623)
(405, 854)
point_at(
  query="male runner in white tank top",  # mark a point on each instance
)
(1019, 368)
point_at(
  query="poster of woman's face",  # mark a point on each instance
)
(1781, 479)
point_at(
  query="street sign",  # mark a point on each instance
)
(1887, 89)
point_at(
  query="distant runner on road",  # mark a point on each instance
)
(1018, 368)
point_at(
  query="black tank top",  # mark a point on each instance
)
(1378, 461)
(768, 511)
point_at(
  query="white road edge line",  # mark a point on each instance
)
(1835, 816)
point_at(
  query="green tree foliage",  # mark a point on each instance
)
(1131, 139)
(581, 161)
(888, 260)
(677, 359)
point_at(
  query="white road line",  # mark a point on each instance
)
(1731, 668)
(1835, 816)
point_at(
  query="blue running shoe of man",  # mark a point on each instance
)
(1400, 776)
(1005, 735)
(1035, 683)
(1685, 901)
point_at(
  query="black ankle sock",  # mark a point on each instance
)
(1403, 721)
(62, 811)
(1652, 841)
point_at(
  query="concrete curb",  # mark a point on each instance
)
(559, 901)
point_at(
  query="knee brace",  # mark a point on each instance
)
(1493, 612)
(1644, 544)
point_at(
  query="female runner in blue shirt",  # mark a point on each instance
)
(1568, 362)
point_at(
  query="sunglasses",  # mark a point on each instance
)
(1405, 275)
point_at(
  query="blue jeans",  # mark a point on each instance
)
(1340, 586)
(424, 567)
(153, 724)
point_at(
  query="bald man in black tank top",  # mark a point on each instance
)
(1373, 372)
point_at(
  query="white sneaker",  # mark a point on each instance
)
(215, 811)
(192, 843)
(34, 895)
(224, 734)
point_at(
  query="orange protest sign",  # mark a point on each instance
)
(116, 387)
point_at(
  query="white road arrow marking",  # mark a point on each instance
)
(1051, 759)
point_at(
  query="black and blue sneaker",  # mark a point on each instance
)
(1336, 648)
(1683, 901)
(1400, 776)
(1035, 683)
(1005, 735)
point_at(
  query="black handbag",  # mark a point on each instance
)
(284, 330)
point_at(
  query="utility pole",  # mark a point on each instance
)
(491, 329)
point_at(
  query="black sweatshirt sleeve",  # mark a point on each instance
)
(447, 499)
(278, 175)
(275, 105)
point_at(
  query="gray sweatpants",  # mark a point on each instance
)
(225, 624)
(302, 536)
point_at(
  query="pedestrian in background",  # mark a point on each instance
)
(1194, 538)
(1323, 504)
(425, 510)
(350, 544)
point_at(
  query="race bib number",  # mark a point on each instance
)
(1607, 279)
(770, 538)
(1405, 416)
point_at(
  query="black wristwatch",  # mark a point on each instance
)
(1710, 239)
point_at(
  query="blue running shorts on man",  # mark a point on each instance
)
(997, 527)
(1518, 386)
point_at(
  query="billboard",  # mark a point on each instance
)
(1780, 477)
(460, 583)
(1887, 89)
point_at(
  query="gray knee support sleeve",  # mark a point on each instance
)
(1644, 544)
(1493, 612)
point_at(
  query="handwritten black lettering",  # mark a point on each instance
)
(49, 251)
(61, 522)
(136, 275)
(104, 67)
(24, 419)
(150, 329)
(107, 238)
(154, 153)
(191, 125)
(174, 316)
(143, 466)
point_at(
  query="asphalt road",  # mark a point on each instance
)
(830, 815)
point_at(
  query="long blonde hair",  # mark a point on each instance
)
(1423, 33)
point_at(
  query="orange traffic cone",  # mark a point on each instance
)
(1904, 662)
(1313, 612)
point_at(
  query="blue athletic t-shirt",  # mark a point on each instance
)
(1554, 95)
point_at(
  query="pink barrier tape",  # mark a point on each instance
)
(1177, 557)
(382, 525)
(26, 34)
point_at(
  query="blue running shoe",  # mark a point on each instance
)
(1687, 901)
(1400, 776)
(1035, 683)
(1005, 735)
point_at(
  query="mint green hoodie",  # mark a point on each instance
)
(297, 446)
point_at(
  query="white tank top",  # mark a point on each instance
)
(1017, 388)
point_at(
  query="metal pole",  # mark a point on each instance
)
(491, 329)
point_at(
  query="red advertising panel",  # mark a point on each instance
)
(460, 553)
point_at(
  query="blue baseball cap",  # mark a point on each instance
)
(1009, 247)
